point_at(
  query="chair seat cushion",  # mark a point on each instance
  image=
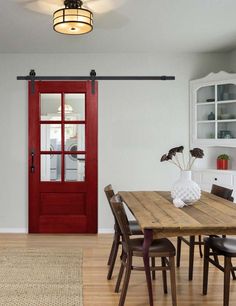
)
(162, 246)
(135, 228)
(222, 246)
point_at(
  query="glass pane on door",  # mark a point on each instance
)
(75, 107)
(50, 137)
(75, 137)
(74, 167)
(50, 167)
(50, 105)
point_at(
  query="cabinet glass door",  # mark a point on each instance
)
(206, 130)
(206, 94)
(206, 112)
(226, 111)
(226, 92)
(226, 130)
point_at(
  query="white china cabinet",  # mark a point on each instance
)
(213, 110)
(213, 127)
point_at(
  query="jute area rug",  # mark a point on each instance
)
(41, 277)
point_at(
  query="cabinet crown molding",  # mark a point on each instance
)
(218, 76)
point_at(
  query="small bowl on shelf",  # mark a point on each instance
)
(225, 116)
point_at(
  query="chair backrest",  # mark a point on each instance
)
(121, 217)
(222, 192)
(109, 194)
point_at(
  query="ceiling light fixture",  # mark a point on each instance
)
(73, 19)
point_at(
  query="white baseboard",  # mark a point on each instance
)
(105, 230)
(12, 230)
(25, 231)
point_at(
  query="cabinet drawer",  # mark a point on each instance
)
(222, 179)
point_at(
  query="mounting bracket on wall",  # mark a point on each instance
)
(92, 77)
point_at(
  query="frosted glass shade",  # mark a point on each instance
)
(73, 21)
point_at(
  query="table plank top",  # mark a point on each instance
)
(155, 210)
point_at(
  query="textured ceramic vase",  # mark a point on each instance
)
(185, 189)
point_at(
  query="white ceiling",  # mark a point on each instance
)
(134, 26)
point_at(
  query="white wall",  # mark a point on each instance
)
(232, 61)
(138, 121)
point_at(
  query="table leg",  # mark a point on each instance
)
(148, 237)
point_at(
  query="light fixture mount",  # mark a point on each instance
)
(73, 19)
(73, 4)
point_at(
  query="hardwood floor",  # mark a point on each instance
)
(100, 292)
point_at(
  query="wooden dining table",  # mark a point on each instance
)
(159, 218)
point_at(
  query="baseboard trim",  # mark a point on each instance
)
(12, 230)
(105, 231)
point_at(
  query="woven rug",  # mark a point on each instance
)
(40, 277)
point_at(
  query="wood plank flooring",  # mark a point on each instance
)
(100, 292)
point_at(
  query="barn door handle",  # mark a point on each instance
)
(32, 167)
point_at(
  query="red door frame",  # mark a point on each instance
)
(90, 186)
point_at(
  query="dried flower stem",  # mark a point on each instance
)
(172, 157)
(174, 163)
(183, 159)
(192, 163)
(177, 160)
(189, 161)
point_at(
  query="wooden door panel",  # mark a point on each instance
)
(66, 187)
(63, 203)
(60, 203)
(63, 224)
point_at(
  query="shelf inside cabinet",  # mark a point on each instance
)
(226, 120)
(205, 103)
(207, 121)
(225, 102)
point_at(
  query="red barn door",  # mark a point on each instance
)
(62, 158)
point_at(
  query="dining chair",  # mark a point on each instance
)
(221, 192)
(222, 247)
(117, 237)
(133, 247)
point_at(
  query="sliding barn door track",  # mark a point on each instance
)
(92, 77)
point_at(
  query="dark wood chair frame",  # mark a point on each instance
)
(167, 259)
(191, 243)
(227, 269)
(218, 191)
(117, 238)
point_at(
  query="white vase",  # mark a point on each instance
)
(185, 189)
